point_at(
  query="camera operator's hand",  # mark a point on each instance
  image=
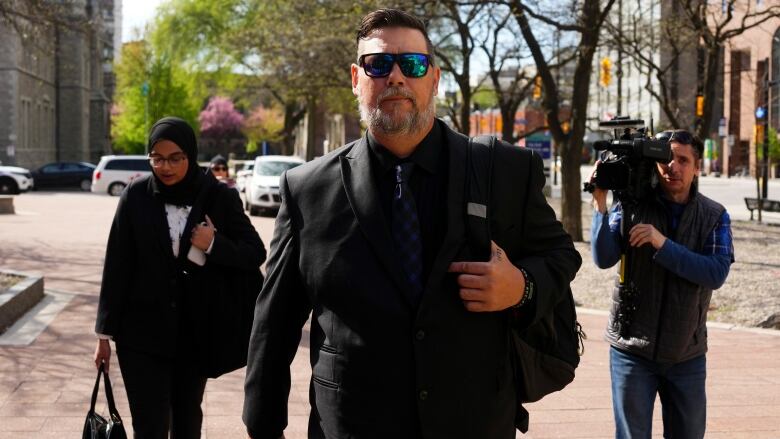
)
(642, 234)
(599, 195)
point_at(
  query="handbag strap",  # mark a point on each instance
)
(109, 393)
(109, 396)
(95, 389)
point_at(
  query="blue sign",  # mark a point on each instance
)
(540, 144)
(145, 89)
(760, 112)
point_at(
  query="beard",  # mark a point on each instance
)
(394, 122)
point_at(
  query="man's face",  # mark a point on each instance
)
(677, 175)
(395, 104)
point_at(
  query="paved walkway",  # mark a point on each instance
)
(45, 387)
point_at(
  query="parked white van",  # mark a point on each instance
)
(115, 172)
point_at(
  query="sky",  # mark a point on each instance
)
(135, 14)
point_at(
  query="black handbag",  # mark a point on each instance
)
(98, 427)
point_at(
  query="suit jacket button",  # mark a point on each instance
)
(419, 335)
(423, 395)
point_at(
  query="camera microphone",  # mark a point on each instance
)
(601, 145)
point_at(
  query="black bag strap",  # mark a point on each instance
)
(479, 191)
(109, 393)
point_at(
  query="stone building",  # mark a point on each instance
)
(56, 85)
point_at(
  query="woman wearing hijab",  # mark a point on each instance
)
(174, 236)
(219, 167)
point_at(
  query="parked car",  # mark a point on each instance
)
(114, 172)
(15, 180)
(244, 175)
(262, 192)
(64, 174)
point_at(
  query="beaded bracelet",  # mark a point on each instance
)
(528, 291)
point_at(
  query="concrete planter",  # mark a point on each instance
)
(17, 300)
(6, 204)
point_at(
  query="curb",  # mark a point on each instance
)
(18, 299)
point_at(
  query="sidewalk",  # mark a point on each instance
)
(45, 388)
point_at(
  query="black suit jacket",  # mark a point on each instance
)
(151, 302)
(381, 367)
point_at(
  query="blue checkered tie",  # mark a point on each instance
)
(406, 227)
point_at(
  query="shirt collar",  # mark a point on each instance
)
(425, 155)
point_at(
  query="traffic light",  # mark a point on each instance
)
(606, 72)
(537, 88)
(699, 106)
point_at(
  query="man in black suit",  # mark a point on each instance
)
(406, 339)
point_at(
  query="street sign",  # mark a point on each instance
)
(541, 144)
(760, 112)
(722, 127)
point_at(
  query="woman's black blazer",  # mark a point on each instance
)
(153, 302)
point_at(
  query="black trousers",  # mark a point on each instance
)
(164, 395)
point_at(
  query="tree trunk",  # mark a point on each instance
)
(710, 90)
(311, 127)
(465, 109)
(508, 123)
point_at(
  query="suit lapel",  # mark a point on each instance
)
(455, 236)
(363, 197)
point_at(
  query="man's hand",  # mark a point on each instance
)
(203, 234)
(642, 234)
(103, 354)
(599, 195)
(489, 286)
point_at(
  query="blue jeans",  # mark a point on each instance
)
(635, 382)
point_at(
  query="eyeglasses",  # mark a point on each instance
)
(379, 65)
(219, 168)
(158, 161)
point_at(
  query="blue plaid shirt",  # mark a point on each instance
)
(708, 268)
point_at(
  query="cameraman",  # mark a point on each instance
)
(680, 249)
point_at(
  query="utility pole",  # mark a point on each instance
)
(765, 147)
(619, 72)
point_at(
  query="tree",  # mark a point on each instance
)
(584, 19)
(298, 52)
(220, 118)
(701, 32)
(149, 87)
(263, 124)
(451, 24)
(511, 83)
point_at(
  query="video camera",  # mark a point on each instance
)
(627, 162)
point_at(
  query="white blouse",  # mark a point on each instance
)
(177, 220)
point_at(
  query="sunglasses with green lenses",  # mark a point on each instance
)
(379, 65)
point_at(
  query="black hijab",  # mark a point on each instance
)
(179, 132)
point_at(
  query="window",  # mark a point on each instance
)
(128, 165)
(274, 169)
(50, 169)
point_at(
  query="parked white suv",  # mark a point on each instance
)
(115, 172)
(262, 191)
(15, 180)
